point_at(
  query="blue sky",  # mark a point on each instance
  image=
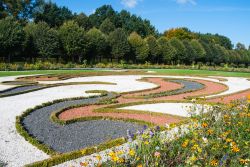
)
(227, 17)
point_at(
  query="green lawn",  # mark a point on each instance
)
(158, 71)
(15, 73)
(200, 72)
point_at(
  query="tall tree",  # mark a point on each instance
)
(83, 21)
(46, 40)
(240, 46)
(53, 15)
(74, 40)
(107, 26)
(105, 11)
(139, 47)
(97, 44)
(180, 49)
(180, 33)
(166, 49)
(11, 36)
(19, 9)
(216, 39)
(189, 56)
(29, 48)
(154, 49)
(198, 50)
(209, 52)
(119, 43)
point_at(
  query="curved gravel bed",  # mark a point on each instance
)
(20, 89)
(77, 135)
(188, 86)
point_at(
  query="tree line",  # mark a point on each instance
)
(36, 29)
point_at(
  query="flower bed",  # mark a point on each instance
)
(218, 138)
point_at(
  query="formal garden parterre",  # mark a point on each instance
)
(78, 120)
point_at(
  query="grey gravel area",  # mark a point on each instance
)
(188, 86)
(77, 135)
(20, 89)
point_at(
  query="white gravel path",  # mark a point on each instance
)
(179, 109)
(235, 84)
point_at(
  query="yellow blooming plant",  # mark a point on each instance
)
(219, 137)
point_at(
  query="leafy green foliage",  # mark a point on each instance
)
(83, 21)
(154, 49)
(179, 48)
(53, 15)
(11, 36)
(118, 41)
(139, 47)
(166, 49)
(46, 40)
(144, 44)
(18, 9)
(73, 39)
(180, 33)
(97, 43)
(107, 26)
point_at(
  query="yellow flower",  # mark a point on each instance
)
(214, 162)
(240, 123)
(146, 142)
(226, 116)
(204, 125)
(121, 160)
(132, 153)
(199, 149)
(244, 161)
(228, 140)
(193, 158)
(139, 165)
(84, 164)
(196, 146)
(248, 98)
(83, 152)
(185, 143)
(235, 149)
(111, 154)
(120, 152)
(98, 157)
(138, 158)
(210, 131)
(115, 158)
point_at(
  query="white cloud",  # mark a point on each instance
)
(186, 2)
(130, 3)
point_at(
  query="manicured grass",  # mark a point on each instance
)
(15, 73)
(200, 72)
(158, 71)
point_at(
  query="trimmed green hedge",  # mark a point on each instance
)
(58, 159)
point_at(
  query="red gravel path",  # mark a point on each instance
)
(229, 98)
(210, 87)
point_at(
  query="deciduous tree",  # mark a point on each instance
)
(11, 37)
(74, 40)
(119, 44)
